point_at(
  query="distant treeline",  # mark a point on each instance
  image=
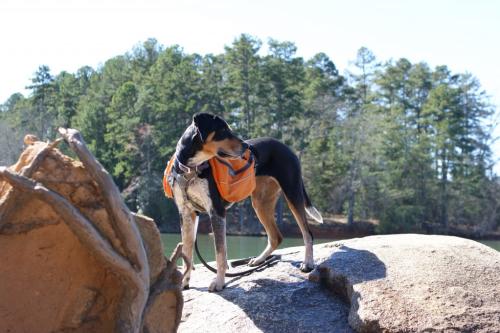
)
(402, 143)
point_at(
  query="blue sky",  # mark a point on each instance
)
(67, 34)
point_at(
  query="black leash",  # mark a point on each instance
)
(272, 259)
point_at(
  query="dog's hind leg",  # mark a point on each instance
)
(264, 200)
(296, 197)
(189, 227)
(299, 212)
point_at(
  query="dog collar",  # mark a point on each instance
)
(182, 167)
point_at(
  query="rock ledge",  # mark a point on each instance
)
(392, 283)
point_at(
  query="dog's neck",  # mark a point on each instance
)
(183, 157)
(188, 151)
(184, 165)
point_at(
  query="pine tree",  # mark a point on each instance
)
(43, 92)
(242, 73)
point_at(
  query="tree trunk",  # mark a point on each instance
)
(115, 241)
(444, 192)
(350, 208)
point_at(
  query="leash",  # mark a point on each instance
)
(185, 176)
(271, 260)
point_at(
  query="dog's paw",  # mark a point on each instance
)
(306, 267)
(256, 261)
(253, 262)
(216, 285)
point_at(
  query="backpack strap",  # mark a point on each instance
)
(233, 172)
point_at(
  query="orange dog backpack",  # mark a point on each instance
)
(235, 179)
(166, 173)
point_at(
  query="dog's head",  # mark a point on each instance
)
(211, 136)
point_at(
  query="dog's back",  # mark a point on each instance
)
(277, 160)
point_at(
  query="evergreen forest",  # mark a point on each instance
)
(398, 142)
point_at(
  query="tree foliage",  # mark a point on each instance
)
(402, 143)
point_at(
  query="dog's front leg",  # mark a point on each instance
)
(219, 230)
(188, 229)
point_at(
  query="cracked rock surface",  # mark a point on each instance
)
(392, 283)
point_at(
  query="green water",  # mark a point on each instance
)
(249, 246)
(237, 246)
(492, 243)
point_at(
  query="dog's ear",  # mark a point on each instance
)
(202, 122)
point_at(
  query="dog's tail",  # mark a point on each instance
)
(310, 209)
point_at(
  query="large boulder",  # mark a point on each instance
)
(394, 283)
(73, 258)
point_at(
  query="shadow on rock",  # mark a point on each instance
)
(394, 283)
(292, 303)
(278, 306)
(283, 299)
(346, 267)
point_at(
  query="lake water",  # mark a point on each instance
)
(237, 246)
(494, 244)
(248, 246)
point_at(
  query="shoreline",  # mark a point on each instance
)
(494, 237)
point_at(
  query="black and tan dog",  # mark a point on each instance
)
(195, 191)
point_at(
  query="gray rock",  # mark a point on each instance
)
(394, 283)
(278, 299)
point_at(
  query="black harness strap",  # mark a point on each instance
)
(233, 172)
(271, 260)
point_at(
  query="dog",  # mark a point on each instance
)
(195, 191)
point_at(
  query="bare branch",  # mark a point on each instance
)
(26, 171)
(176, 254)
(81, 227)
(121, 217)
